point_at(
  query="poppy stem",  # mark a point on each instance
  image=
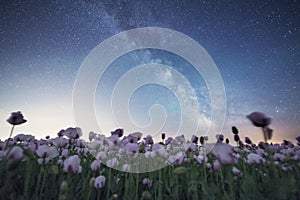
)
(265, 134)
(11, 132)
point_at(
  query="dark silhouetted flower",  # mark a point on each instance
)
(259, 119)
(16, 118)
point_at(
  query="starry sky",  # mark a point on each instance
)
(255, 45)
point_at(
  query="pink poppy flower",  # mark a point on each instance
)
(217, 165)
(99, 182)
(148, 139)
(72, 164)
(236, 171)
(46, 153)
(73, 133)
(126, 167)
(95, 165)
(177, 159)
(254, 158)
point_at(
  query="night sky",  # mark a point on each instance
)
(255, 45)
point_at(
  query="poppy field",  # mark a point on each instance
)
(121, 166)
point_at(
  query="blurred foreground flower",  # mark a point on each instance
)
(223, 153)
(259, 119)
(15, 154)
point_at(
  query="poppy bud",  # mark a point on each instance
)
(146, 195)
(227, 140)
(180, 170)
(236, 138)
(234, 130)
(163, 136)
(91, 182)
(201, 139)
(247, 140)
(63, 187)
